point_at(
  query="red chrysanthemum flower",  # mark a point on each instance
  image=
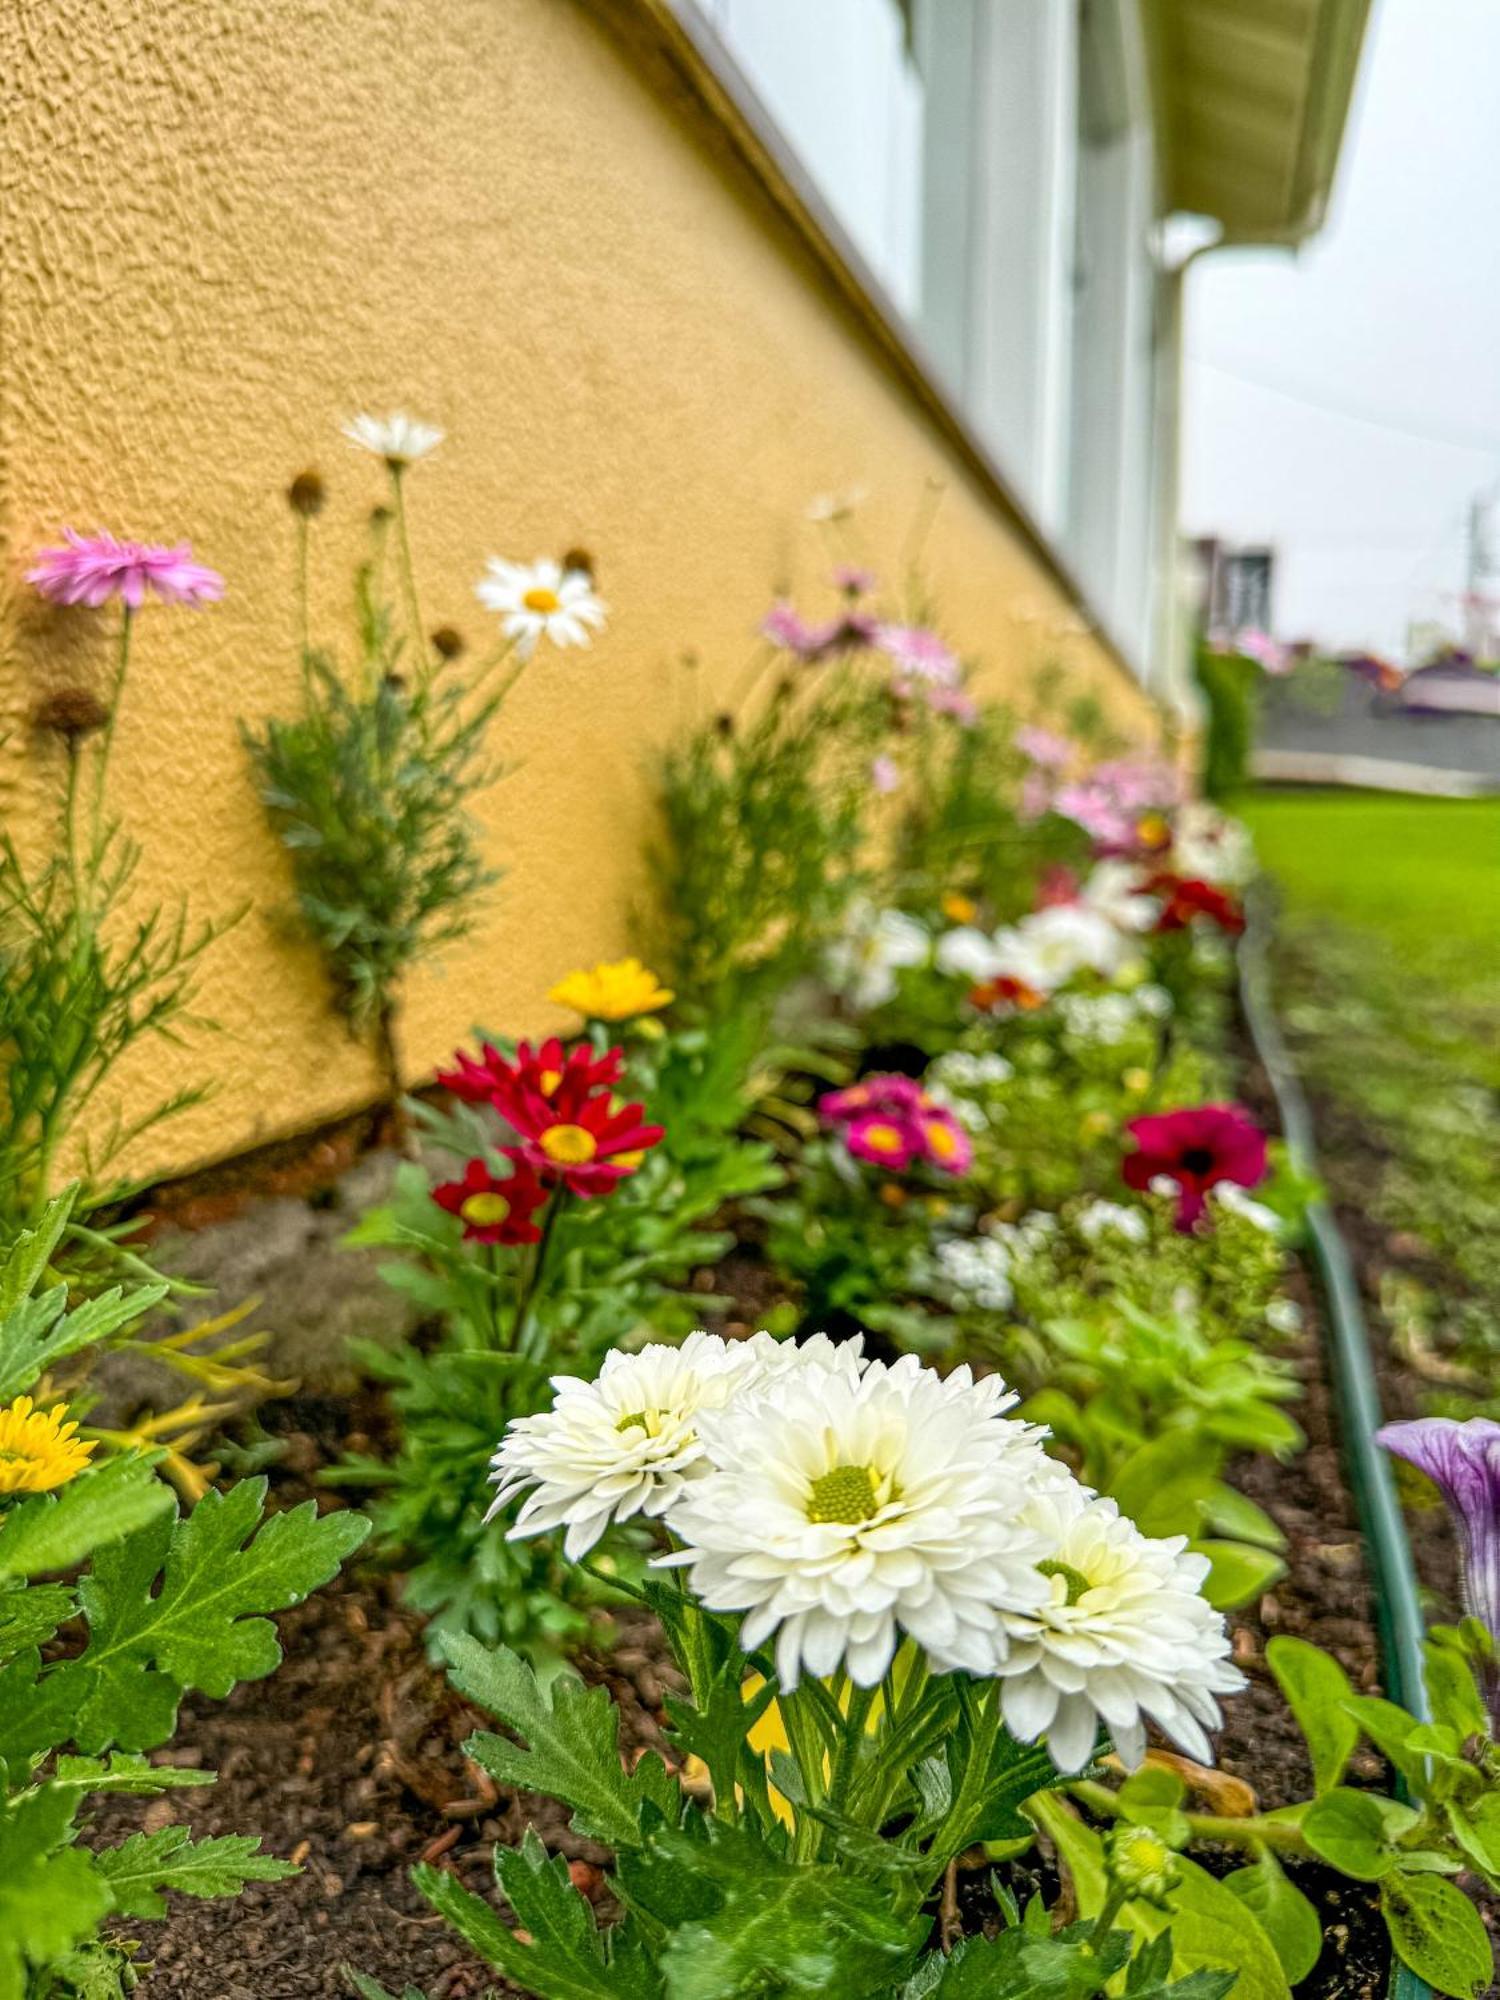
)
(586, 1146)
(1185, 899)
(494, 1210)
(1196, 1150)
(534, 1079)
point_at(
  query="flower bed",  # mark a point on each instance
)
(873, 1352)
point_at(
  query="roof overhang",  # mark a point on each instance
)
(1252, 101)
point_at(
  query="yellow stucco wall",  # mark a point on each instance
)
(230, 223)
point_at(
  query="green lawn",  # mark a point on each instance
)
(1421, 873)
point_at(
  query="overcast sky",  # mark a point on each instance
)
(1344, 404)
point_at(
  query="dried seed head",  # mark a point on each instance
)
(447, 642)
(580, 560)
(307, 494)
(70, 712)
(379, 516)
(724, 725)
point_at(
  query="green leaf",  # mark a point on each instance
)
(142, 1867)
(1437, 1931)
(54, 1531)
(1237, 1572)
(1164, 1486)
(1283, 1913)
(369, 1989)
(1452, 1693)
(30, 1615)
(51, 1895)
(809, 1930)
(204, 1627)
(30, 1252)
(1317, 1691)
(1348, 1830)
(1476, 1828)
(123, 1772)
(570, 1743)
(1229, 1512)
(1390, 1728)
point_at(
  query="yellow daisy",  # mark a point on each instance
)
(37, 1449)
(615, 992)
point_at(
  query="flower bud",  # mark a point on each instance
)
(447, 642)
(70, 712)
(1141, 1862)
(307, 495)
(581, 562)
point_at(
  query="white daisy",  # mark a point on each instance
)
(863, 963)
(1113, 891)
(839, 1512)
(626, 1443)
(968, 953)
(1125, 1634)
(1210, 847)
(1061, 941)
(541, 600)
(398, 439)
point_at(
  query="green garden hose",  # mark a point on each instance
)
(1397, 1608)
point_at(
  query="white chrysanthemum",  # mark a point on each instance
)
(840, 1512)
(541, 600)
(1125, 1634)
(398, 439)
(863, 963)
(1113, 891)
(1210, 847)
(1111, 1218)
(1063, 940)
(967, 953)
(627, 1442)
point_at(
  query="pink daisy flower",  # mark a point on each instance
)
(919, 653)
(94, 569)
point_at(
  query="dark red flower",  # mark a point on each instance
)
(1196, 1150)
(536, 1077)
(590, 1151)
(494, 1210)
(561, 1105)
(1184, 900)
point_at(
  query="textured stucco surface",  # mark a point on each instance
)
(229, 223)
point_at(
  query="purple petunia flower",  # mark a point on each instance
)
(1463, 1461)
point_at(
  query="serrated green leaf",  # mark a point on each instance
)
(53, 1531)
(122, 1771)
(570, 1743)
(1437, 1931)
(51, 1894)
(221, 1570)
(1318, 1692)
(30, 1614)
(140, 1869)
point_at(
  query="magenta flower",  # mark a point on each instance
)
(952, 701)
(1463, 1461)
(785, 626)
(891, 1122)
(853, 581)
(93, 569)
(883, 1140)
(946, 1143)
(1195, 1150)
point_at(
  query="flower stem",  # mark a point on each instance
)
(530, 1337)
(106, 740)
(408, 567)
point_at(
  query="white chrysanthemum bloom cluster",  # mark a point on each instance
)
(1111, 1218)
(1207, 846)
(835, 1504)
(1043, 951)
(1125, 1634)
(876, 944)
(541, 600)
(1153, 1001)
(976, 1270)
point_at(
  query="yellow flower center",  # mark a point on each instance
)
(485, 1209)
(883, 1138)
(630, 1161)
(1074, 1580)
(941, 1140)
(846, 1495)
(549, 1080)
(569, 1145)
(539, 598)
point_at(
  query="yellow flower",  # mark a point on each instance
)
(612, 992)
(959, 909)
(37, 1449)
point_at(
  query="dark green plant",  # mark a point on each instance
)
(1231, 689)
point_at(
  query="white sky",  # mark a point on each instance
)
(1344, 404)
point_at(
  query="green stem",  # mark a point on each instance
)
(530, 1333)
(408, 567)
(1253, 1830)
(107, 738)
(304, 622)
(846, 1759)
(806, 1739)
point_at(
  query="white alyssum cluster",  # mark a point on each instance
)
(1105, 1018)
(976, 1270)
(834, 1504)
(1113, 891)
(1243, 1204)
(875, 945)
(963, 1082)
(1111, 1218)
